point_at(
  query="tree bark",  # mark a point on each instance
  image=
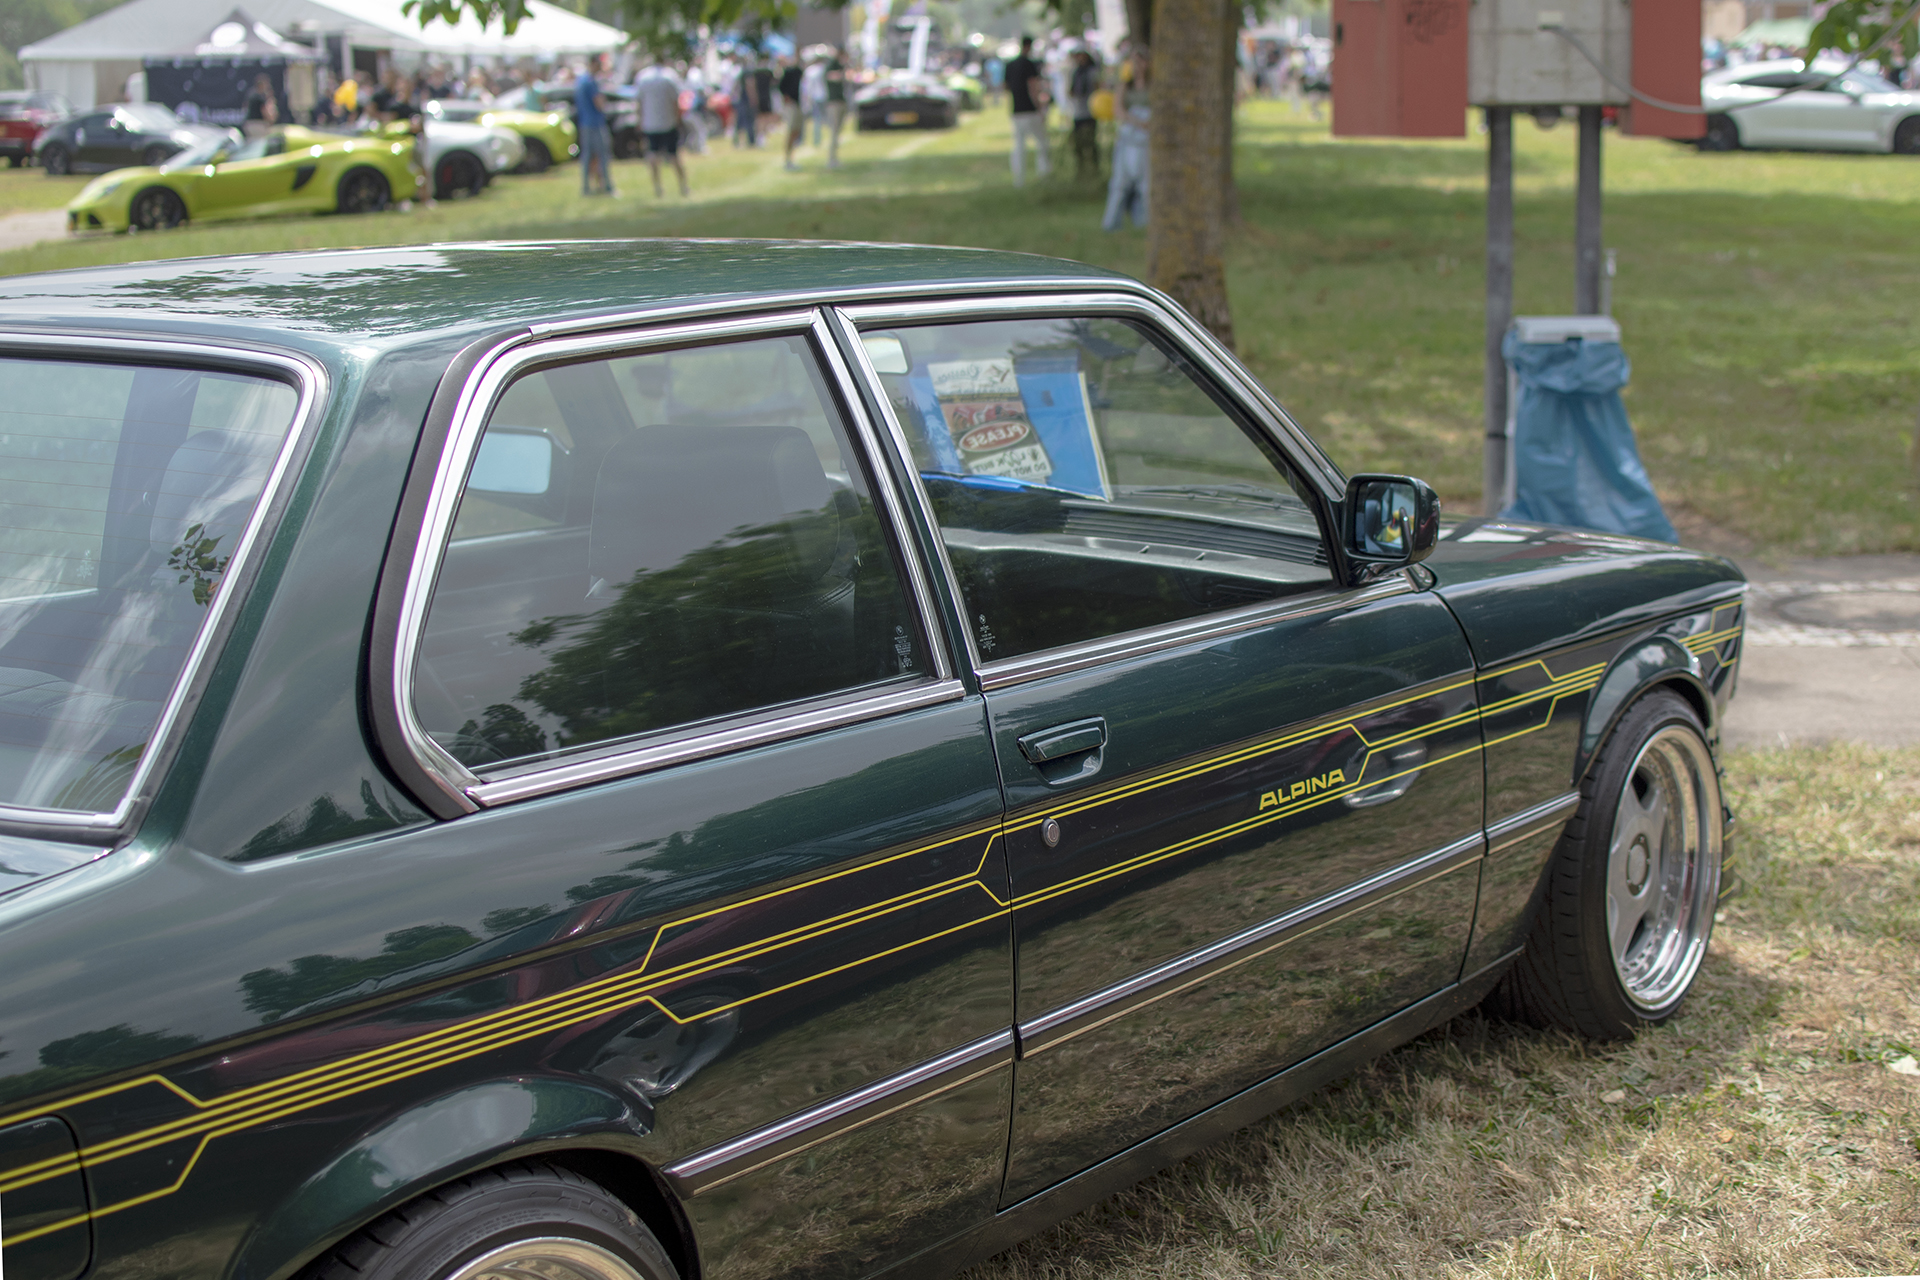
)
(1230, 21)
(1187, 160)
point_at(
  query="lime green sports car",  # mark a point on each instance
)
(291, 170)
(549, 135)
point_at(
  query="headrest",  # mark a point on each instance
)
(665, 492)
(211, 482)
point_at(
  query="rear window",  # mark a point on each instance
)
(124, 491)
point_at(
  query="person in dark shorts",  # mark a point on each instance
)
(657, 92)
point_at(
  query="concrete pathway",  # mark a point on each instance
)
(1832, 653)
(18, 230)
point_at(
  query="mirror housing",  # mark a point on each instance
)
(1390, 522)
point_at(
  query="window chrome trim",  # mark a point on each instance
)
(1056, 1027)
(1166, 317)
(469, 790)
(892, 510)
(564, 776)
(311, 386)
(1134, 644)
(717, 1166)
(1532, 821)
(1104, 298)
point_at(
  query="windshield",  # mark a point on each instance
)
(1858, 81)
(196, 155)
(150, 116)
(124, 491)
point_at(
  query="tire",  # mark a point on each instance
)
(156, 209)
(57, 161)
(363, 191)
(1623, 927)
(1722, 134)
(458, 173)
(521, 1219)
(538, 158)
(1906, 137)
(155, 156)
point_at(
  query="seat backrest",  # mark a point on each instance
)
(211, 483)
(667, 492)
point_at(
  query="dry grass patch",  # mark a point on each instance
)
(1764, 1133)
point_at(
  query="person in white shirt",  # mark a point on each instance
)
(657, 91)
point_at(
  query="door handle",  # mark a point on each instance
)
(1064, 740)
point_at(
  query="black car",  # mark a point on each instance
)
(906, 101)
(757, 761)
(119, 137)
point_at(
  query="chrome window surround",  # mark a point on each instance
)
(1056, 1027)
(716, 1166)
(310, 383)
(469, 790)
(1199, 347)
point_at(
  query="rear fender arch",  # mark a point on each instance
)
(573, 1122)
(1644, 664)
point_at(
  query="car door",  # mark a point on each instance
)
(1820, 115)
(99, 143)
(256, 177)
(1244, 800)
(673, 644)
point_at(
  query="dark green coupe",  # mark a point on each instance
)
(597, 761)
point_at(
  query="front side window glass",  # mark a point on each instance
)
(1089, 482)
(657, 541)
(124, 491)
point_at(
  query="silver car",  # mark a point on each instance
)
(462, 158)
(1828, 107)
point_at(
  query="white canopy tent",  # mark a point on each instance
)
(90, 62)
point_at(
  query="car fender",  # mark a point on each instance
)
(423, 1147)
(1642, 664)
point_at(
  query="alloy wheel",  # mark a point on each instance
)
(1663, 868)
(548, 1258)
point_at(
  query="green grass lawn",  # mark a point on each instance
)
(1766, 298)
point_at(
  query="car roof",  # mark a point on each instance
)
(401, 295)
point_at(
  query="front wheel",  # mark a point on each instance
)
(1906, 137)
(1722, 134)
(57, 161)
(1628, 911)
(363, 191)
(155, 156)
(538, 158)
(458, 174)
(156, 209)
(520, 1221)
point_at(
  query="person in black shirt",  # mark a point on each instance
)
(1027, 88)
(1086, 137)
(790, 80)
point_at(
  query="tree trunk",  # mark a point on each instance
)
(1230, 39)
(1187, 160)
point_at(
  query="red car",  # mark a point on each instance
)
(23, 114)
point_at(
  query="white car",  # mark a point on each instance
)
(462, 158)
(1830, 108)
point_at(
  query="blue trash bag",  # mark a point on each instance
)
(1575, 462)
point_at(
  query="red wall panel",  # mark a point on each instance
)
(1400, 68)
(1666, 65)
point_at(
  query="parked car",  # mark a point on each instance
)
(291, 170)
(117, 137)
(1825, 107)
(643, 759)
(463, 158)
(906, 101)
(23, 114)
(549, 135)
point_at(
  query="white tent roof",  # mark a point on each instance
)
(149, 28)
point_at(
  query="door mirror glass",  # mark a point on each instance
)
(512, 461)
(887, 352)
(1391, 520)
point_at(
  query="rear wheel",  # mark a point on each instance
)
(57, 161)
(458, 174)
(1906, 137)
(1628, 910)
(156, 209)
(154, 156)
(1722, 134)
(519, 1222)
(538, 158)
(363, 191)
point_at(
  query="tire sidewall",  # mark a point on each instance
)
(1612, 771)
(1906, 137)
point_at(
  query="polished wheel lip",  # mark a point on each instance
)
(1663, 869)
(548, 1258)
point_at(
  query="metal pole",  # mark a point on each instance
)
(1586, 218)
(1499, 300)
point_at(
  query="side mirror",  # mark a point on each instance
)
(1391, 521)
(888, 352)
(513, 461)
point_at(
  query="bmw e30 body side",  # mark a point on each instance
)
(747, 760)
